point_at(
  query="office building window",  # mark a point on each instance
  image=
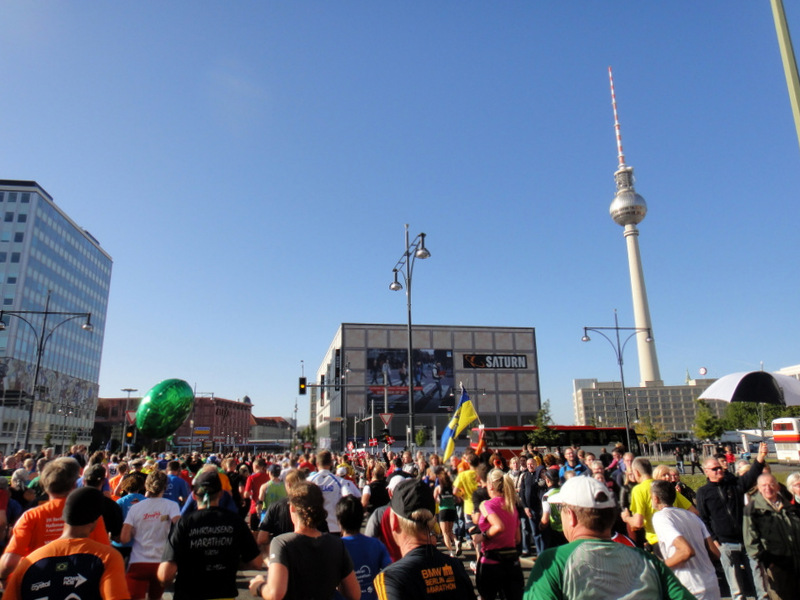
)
(22, 218)
(9, 218)
(26, 198)
(12, 196)
(19, 236)
(8, 301)
(11, 280)
(15, 256)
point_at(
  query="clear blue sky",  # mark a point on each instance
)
(250, 165)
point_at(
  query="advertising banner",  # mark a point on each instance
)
(432, 373)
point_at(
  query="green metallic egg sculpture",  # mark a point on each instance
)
(164, 408)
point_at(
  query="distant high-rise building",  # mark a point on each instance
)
(48, 263)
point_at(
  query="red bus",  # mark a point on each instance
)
(509, 441)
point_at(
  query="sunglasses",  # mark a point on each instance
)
(715, 469)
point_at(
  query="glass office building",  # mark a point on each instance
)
(48, 264)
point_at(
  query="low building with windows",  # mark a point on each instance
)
(271, 434)
(365, 374)
(672, 407)
(214, 425)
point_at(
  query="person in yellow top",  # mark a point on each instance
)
(641, 512)
(464, 485)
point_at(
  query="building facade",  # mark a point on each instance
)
(49, 264)
(793, 371)
(672, 407)
(111, 424)
(271, 434)
(215, 425)
(365, 373)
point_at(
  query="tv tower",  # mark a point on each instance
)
(628, 209)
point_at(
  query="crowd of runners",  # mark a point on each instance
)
(394, 526)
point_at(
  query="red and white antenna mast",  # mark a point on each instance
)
(620, 153)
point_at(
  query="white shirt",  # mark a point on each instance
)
(151, 519)
(333, 488)
(697, 573)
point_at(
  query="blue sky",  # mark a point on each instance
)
(250, 166)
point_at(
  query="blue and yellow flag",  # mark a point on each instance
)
(463, 417)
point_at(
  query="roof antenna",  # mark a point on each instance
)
(620, 153)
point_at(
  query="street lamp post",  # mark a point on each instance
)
(66, 409)
(405, 267)
(41, 342)
(125, 416)
(619, 349)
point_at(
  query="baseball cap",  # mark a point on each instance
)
(411, 495)
(275, 470)
(207, 482)
(84, 505)
(585, 492)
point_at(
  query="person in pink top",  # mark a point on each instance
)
(499, 569)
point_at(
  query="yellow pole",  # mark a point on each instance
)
(788, 59)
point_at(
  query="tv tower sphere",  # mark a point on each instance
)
(627, 207)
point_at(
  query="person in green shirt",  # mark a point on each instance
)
(272, 491)
(591, 566)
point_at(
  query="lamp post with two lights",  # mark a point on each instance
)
(405, 267)
(42, 337)
(619, 349)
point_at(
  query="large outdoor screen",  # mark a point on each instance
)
(432, 376)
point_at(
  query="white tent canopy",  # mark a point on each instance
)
(755, 386)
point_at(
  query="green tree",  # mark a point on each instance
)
(652, 431)
(544, 434)
(706, 424)
(752, 415)
(308, 435)
(421, 436)
(47, 439)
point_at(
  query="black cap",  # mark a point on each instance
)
(411, 495)
(207, 482)
(83, 506)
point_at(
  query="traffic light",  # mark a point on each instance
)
(129, 433)
(302, 386)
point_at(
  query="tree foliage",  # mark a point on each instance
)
(652, 431)
(421, 436)
(707, 426)
(751, 415)
(307, 435)
(544, 434)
